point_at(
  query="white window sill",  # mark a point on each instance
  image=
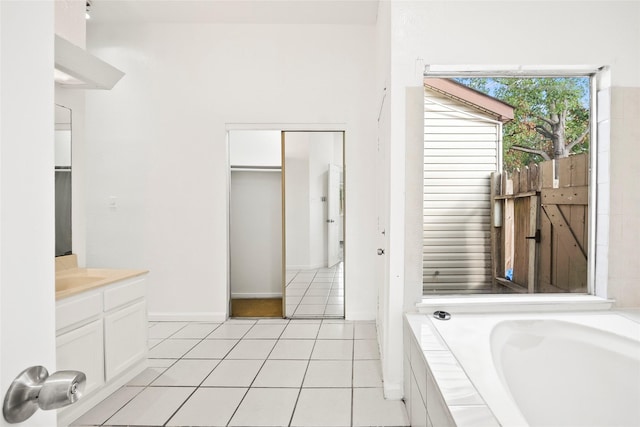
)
(507, 303)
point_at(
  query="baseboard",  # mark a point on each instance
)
(188, 317)
(68, 415)
(393, 391)
(246, 295)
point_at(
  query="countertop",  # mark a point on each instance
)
(73, 281)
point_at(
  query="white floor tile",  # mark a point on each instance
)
(318, 292)
(314, 300)
(290, 309)
(335, 300)
(152, 407)
(371, 409)
(165, 329)
(281, 373)
(336, 331)
(322, 279)
(333, 350)
(240, 321)
(233, 373)
(323, 408)
(154, 342)
(334, 310)
(145, 377)
(292, 349)
(273, 321)
(309, 310)
(266, 407)
(265, 331)
(367, 373)
(196, 330)
(293, 300)
(366, 349)
(328, 373)
(109, 406)
(172, 349)
(209, 407)
(296, 330)
(252, 349)
(161, 363)
(211, 349)
(230, 330)
(365, 331)
(186, 373)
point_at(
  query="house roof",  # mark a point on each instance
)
(488, 104)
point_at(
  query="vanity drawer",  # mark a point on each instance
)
(124, 293)
(78, 310)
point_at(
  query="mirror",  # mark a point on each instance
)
(62, 141)
(313, 170)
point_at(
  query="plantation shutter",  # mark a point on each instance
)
(461, 149)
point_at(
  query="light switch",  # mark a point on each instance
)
(113, 202)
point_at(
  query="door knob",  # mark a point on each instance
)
(34, 388)
(380, 251)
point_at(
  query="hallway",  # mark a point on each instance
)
(267, 372)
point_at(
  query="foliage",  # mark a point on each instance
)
(551, 116)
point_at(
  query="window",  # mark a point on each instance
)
(507, 178)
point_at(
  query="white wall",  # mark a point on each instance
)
(441, 32)
(157, 143)
(27, 301)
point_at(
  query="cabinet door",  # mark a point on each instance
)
(82, 350)
(125, 338)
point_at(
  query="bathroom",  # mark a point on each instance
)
(157, 144)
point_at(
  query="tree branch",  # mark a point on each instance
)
(544, 132)
(544, 119)
(540, 153)
(579, 140)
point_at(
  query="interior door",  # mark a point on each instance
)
(27, 286)
(312, 168)
(333, 215)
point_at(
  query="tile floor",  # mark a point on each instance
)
(315, 293)
(267, 372)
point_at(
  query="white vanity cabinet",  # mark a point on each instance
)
(125, 326)
(103, 333)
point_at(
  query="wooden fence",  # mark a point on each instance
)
(540, 227)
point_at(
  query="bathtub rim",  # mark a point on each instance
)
(489, 303)
(436, 345)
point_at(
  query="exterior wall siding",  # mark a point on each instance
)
(461, 149)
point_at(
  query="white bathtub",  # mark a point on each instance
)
(551, 369)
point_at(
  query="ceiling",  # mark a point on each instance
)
(347, 12)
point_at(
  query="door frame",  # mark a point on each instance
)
(284, 127)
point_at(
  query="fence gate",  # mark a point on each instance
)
(540, 227)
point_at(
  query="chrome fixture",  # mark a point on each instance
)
(441, 315)
(34, 388)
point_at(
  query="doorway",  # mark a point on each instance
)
(286, 223)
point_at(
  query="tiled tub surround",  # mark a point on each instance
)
(460, 372)
(267, 372)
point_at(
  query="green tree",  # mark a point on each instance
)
(551, 116)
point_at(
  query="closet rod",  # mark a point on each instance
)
(256, 168)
